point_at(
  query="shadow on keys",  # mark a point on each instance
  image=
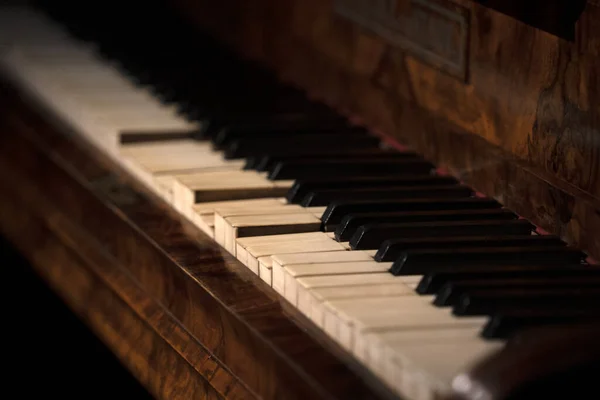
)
(541, 363)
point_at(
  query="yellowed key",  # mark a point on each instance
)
(171, 155)
(344, 317)
(225, 233)
(293, 272)
(311, 303)
(307, 290)
(250, 254)
(292, 237)
(428, 370)
(269, 225)
(194, 188)
(209, 207)
(282, 260)
(370, 346)
(264, 269)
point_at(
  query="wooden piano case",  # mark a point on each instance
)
(509, 103)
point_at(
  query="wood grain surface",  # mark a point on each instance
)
(522, 124)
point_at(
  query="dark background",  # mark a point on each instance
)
(48, 351)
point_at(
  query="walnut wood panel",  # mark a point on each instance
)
(522, 126)
(82, 285)
(239, 321)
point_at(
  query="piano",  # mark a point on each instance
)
(313, 199)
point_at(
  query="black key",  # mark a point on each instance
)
(324, 197)
(337, 210)
(279, 128)
(348, 153)
(267, 162)
(131, 137)
(300, 144)
(165, 93)
(208, 126)
(390, 250)
(214, 124)
(489, 302)
(350, 223)
(371, 236)
(418, 262)
(433, 281)
(506, 324)
(310, 169)
(251, 123)
(301, 188)
(450, 293)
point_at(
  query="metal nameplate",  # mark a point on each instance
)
(434, 31)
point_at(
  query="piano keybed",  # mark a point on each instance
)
(412, 272)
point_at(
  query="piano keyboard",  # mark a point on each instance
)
(410, 271)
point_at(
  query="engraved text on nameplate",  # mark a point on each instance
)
(435, 31)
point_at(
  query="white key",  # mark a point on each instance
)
(344, 317)
(426, 370)
(292, 273)
(222, 185)
(227, 220)
(177, 157)
(279, 261)
(249, 255)
(310, 293)
(264, 269)
(210, 207)
(371, 347)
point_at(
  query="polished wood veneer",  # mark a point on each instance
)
(522, 124)
(185, 317)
